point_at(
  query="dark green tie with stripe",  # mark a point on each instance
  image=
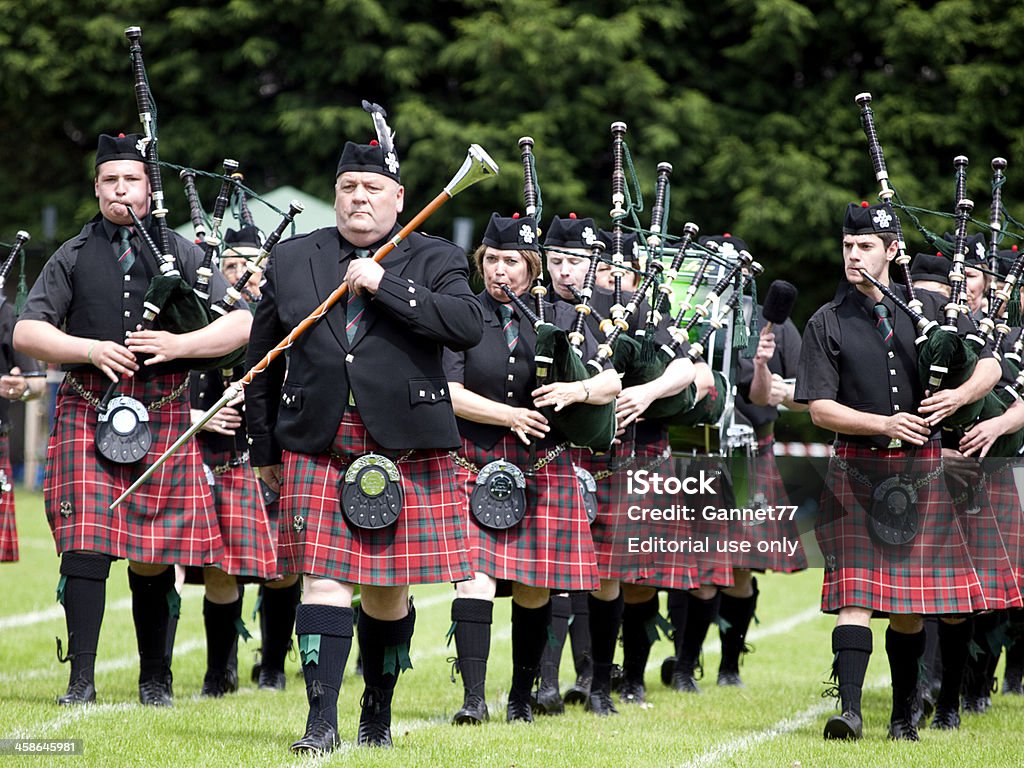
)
(125, 255)
(509, 325)
(356, 304)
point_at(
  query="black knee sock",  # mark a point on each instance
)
(277, 617)
(473, 620)
(931, 652)
(905, 652)
(529, 636)
(954, 640)
(976, 677)
(605, 620)
(551, 658)
(325, 639)
(384, 646)
(677, 604)
(735, 614)
(579, 634)
(221, 633)
(851, 646)
(1015, 641)
(699, 615)
(639, 632)
(151, 611)
(84, 595)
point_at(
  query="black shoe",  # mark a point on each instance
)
(374, 719)
(903, 730)
(847, 726)
(155, 693)
(730, 680)
(927, 701)
(271, 679)
(976, 705)
(216, 684)
(616, 677)
(519, 709)
(946, 719)
(668, 666)
(1013, 685)
(81, 690)
(600, 703)
(320, 737)
(548, 701)
(580, 691)
(684, 682)
(632, 691)
(473, 712)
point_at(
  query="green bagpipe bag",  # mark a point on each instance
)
(666, 409)
(181, 311)
(585, 425)
(945, 349)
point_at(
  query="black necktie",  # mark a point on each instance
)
(883, 324)
(509, 325)
(125, 256)
(356, 304)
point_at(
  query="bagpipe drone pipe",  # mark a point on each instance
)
(945, 358)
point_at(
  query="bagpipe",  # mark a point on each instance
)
(169, 298)
(171, 303)
(20, 239)
(477, 166)
(558, 353)
(946, 357)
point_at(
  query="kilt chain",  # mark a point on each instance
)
(863, 479)
(539, 464)
(94, 401)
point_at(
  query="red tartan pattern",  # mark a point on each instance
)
(427, 544)
(715, 568)
(552, 546)
(249, 539)
(996, 538)
(666, 570)
(766, 489)
(931, 575)
(8, 529)
(169, 519)
(612, 561)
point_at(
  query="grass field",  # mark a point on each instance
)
(776, 721)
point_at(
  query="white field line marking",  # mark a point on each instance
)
(68, 716)
(56, 611)
(52, 613)
(782, 727)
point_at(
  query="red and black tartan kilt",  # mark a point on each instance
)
(8, 530)
(714, 567)
(932, 574)
(609, 470)
(169, 519)
(766, 489)
(552, 546)
(663, 570)
(249, 537)
(427, 543)
(996, 539)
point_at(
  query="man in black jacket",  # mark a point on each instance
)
(359, 408)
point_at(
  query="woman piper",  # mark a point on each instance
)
(513, 464)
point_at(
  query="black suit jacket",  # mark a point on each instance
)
(392, 366)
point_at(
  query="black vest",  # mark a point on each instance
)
(493, 372)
